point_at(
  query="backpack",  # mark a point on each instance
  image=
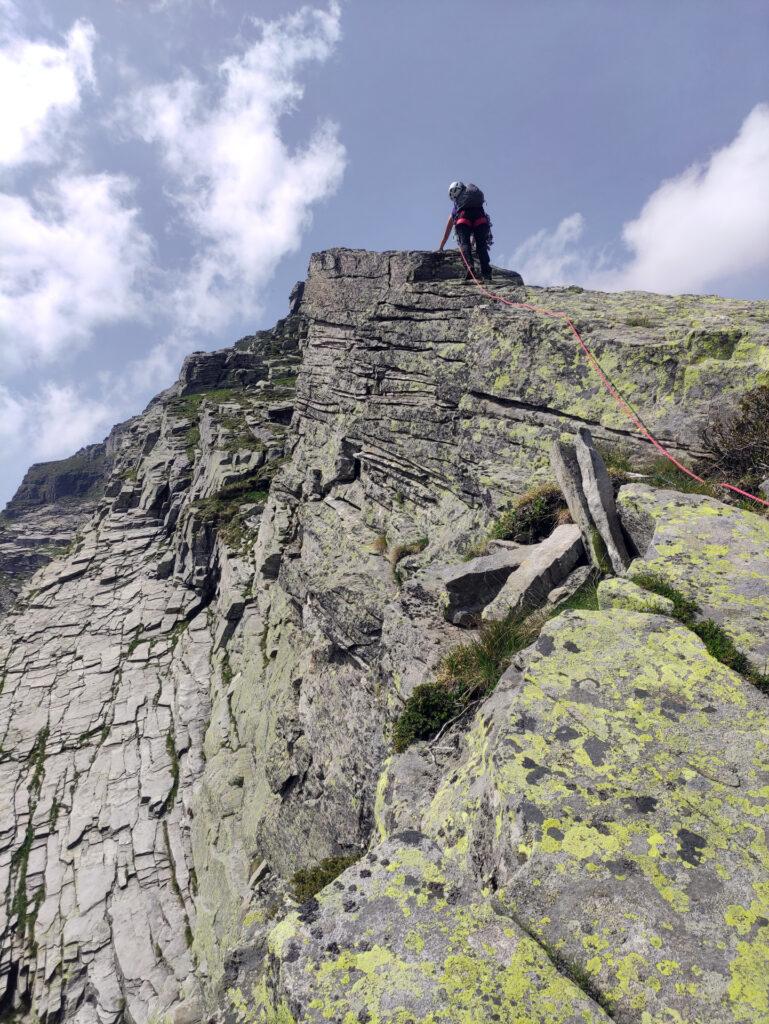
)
(471, 197)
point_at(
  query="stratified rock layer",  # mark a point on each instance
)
(54, 500)
(197, 699)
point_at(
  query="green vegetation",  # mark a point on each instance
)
(738, 441)
(174, 758)
(467, 674)
(228, 508)
(308, 882)
(738, 451)
(533, 517)
(20, 857)
(684, 609)
(584, 599)
(639, 320)
(188, 406)
(718, 643)
(191, 441)
(600, 552)
(429, 707)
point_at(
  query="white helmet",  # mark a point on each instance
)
(456, 188)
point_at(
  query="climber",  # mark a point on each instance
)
(470, 221)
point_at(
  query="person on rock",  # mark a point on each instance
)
(471, 223)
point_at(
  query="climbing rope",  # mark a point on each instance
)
(629, 412)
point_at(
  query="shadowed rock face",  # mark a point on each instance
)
(53, 501)
(196, 701)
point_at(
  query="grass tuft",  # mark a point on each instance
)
(737, 441)
(533, 517)
(684, 609)
(429, 707)
(717, 641)
(466, 674)
(308, 882)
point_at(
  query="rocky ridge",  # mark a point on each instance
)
(197, 700)
(54, 500)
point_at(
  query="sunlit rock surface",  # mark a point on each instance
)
(197, 697)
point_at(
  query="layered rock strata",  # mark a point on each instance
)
(54, 500)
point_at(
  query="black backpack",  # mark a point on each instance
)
(470, 197)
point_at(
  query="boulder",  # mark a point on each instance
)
(397, 938)
(715, 554)
(470, 586)
(546, 567)
(576, 579)
(616, 801)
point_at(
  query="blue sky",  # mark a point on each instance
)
(167, 166)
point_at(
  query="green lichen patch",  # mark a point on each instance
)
(396, 939)
(715, 555)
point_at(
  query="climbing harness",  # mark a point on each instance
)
(625, 407)
(471, 217)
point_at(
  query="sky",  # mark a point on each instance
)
(168, 166)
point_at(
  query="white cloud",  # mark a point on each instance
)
(550, 257)
(41, 86)
(708, 224)
(244, 194)
(52, 423)
(69, 264)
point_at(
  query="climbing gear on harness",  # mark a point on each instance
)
(455, 189)
(623, 404)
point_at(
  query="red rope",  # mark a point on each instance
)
(624, 406)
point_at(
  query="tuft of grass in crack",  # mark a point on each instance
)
(467, 674)
(684, 609)
(533, 517)
(717, 641)
(378, 545)
(585, 599)
(308, 882)
(401, 551)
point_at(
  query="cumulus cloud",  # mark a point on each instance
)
(70, 261)
(74, 256)
(51, 423)
(550, 257)
(243, 193)
(42, 85)
(709, 223)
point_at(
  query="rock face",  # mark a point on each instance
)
(54, 500)
(718, 555)
(610, 807)
(109, 666)
(196, 701)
